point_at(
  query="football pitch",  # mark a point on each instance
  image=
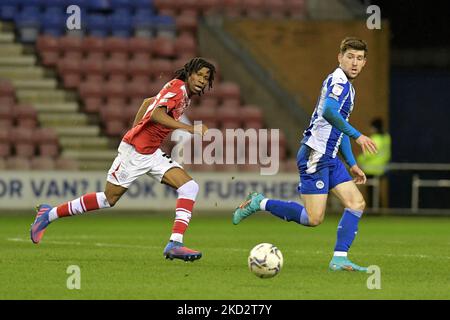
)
(119, 256)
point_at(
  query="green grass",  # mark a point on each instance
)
(120, 257)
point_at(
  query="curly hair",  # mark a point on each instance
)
(195, 65)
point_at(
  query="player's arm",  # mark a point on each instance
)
(142, 110)
(346, 151)
(159, 115)
(332, 115)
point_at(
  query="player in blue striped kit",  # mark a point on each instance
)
(321, 171)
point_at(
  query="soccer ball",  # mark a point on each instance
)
(265, 260)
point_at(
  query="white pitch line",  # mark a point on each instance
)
(125, 246)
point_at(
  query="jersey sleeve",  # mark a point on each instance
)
(170, 97)
(334, 98)
(338, 91)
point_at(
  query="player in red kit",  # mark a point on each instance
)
(139, 153)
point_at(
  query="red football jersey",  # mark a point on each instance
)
(147, 136)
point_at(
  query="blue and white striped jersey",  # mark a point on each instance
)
(321, 135)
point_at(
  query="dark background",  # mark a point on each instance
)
(419, 120)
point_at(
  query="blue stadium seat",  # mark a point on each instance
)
(123, 4)
(8, 9)
(143, 4)
(28, 21)
(94, 5)
(56, 10)
(164, 25)
(143, 23)
(54, 22)
(34, 3)
(120, 25)
(97, 25)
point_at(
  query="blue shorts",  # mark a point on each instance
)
(319, 173)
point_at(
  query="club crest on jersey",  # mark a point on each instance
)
(320, 184)
(337, 90)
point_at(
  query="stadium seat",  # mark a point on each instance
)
(210, 102)
(116, 44)
(229, 114)
(137, 45)
(121, 4)
(54, 22)
(71, 46)
(28, 23)
(143, 25)
(228, 90)
(231, 103)
(155, 86)
(120, 23)
(97, 25)
(164, 26)
(209, 7)
(296, 8)
(186, 46)
(163, 47)
(115, 128)
(130, 113)
(137, 90)
(70, 72)
(18, 163)
(48, 47)
(2, 160)
(187, 21)
(116, 70)
(6, 116)
(5, 146)
(92, 69)
(96, 5)
(26, 116)
(63, 163)
(232, 8)
(251, 113)
(161, 68)
(253, 8)
(142, 4)
(92, 94)
(276, 8)
(114, 92)
(93, 47)
(23, 142)
(8, 10)
(42, 163)
(6, 89)
(139, 68)
(47, 141)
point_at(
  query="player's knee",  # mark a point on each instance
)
(112, 199)
(315, 221)
(357, 204)
(189, 190)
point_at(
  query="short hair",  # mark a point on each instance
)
(195, 65)
(353, 43)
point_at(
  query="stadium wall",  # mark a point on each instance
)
(218, 191)
(300, 54)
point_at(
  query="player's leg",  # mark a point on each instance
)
(172, 174)
(187, 190)
(313, 188)
(120, 176)
(354, 205)
(88, 202)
